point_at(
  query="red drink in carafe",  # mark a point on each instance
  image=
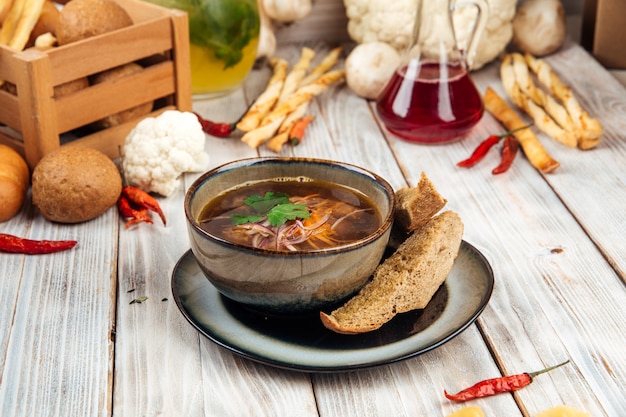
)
(430, 103)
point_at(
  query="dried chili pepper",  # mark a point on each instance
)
(482, 149)
(510, 146)
(480, 152)
(296, 134)
(143, 200)
(220, 130)
(14, 244)
(134, 215)
(495, 386)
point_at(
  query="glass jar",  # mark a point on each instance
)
(223, 39)
(431, 98)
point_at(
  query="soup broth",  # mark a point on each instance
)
(291, 215)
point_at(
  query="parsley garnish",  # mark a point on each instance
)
(274, 206)
(281, 213)
(267, 202)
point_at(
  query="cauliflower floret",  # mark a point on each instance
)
(159, 149)
(392, 22)
(381, 21)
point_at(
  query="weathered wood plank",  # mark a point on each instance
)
(59, 350)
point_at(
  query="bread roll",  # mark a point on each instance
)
(80, 19)
(75, 184)
(14, 182)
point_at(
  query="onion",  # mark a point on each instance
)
(539, 27)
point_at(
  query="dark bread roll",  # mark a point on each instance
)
(74, 184)
(80, 19)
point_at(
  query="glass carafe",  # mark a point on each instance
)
(223, 39)
(431, 98)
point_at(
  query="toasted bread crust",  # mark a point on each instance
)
(417, 205)
(406, 281)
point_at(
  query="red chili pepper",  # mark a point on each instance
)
(143, 200)
(220, 130)
(510, 146)
(482, 149)
(495, 386)
(480, 152)
(134, 215)
(14, 244)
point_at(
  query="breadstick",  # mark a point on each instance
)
(272, 122)
(297, 73)
(327, 63)
(266, 100)
(282, 136)
(11, 21)
(514, 89)
(5, 6)
(534, 151)
(589, 129)
(20, 22)
(538, 96)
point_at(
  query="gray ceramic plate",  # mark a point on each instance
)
(303, 344)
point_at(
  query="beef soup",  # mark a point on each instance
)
(288, 235)
(291, 214)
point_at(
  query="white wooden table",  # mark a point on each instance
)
(71, 345)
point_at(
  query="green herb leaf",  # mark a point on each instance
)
(275, 206)
(264, 204)
(237, 219)
(281, 213)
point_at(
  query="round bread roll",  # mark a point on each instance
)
(80, 19)
(70, 87)
(126, 115)
(14, 182)
(74, 184)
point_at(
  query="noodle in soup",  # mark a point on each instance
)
(291, 215)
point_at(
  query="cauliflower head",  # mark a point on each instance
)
(392, 22)
(159, 149)
(385, 21)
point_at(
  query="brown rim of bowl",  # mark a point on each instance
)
(385, 225)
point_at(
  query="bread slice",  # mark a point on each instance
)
(417, 205)
(405, 281)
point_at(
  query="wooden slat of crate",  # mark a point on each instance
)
(80, 60)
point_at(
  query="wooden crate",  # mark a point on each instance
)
(35, 122)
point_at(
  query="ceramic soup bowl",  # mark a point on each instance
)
(287, 281)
